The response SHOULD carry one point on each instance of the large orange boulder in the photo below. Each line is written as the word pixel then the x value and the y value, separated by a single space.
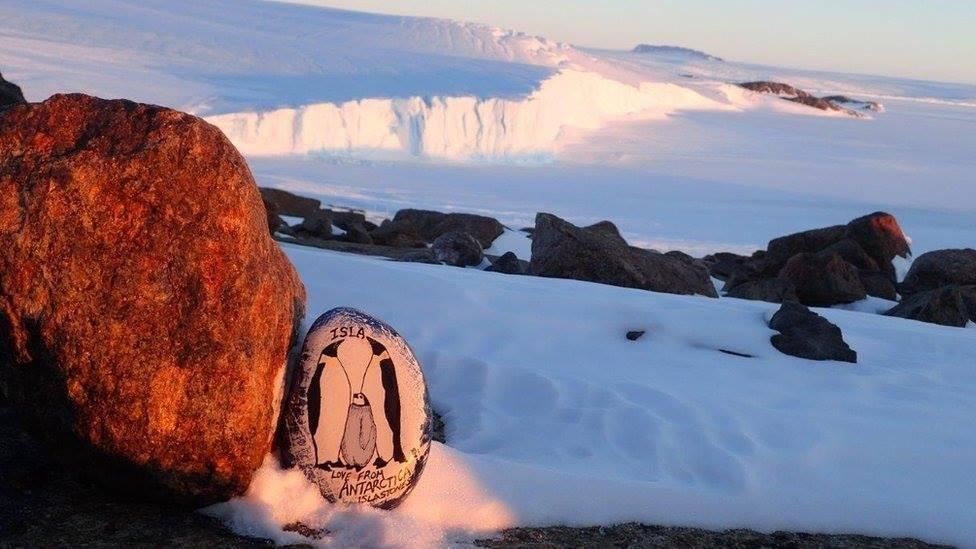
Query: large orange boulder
pixel 146 315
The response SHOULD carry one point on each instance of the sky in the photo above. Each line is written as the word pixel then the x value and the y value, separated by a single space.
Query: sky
pixel 925 39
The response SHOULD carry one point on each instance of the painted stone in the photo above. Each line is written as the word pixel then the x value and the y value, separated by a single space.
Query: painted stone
pixel 358 421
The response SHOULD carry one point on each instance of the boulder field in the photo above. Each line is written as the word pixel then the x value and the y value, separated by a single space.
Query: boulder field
pixel 146 315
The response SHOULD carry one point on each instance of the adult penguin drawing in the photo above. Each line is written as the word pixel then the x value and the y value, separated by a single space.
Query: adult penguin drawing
pixel 354 378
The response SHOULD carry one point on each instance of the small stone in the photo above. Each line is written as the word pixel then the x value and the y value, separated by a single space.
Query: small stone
pixel 458 249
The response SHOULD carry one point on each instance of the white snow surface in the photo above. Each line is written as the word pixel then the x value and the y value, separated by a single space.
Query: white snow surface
pixel 554 417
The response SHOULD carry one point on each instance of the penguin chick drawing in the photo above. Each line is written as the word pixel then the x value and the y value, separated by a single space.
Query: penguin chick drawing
pixel 344 418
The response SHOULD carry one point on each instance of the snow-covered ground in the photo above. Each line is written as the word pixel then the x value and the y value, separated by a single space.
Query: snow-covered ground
pixel 554 417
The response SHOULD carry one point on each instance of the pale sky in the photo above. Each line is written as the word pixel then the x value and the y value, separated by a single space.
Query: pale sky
pixel 926 39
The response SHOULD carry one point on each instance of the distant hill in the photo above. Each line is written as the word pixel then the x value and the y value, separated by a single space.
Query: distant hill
pixel 676 50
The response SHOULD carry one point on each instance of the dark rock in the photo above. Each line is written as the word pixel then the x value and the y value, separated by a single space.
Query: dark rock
pixel 852 252
pixel 948 306
pixel 10 94
pixel 736 353
pixel 291 204
pixel 317 225
pixel 563 250
pixel 933 270
pixel 878 284
pixel 823 279
pixel 274 220
pixel 873 106
pixel 752 271
pixel 783 248
pixel 795 95
pixel 346 218
pixel 151 355
pixel 773 290
pixel 722 264
pixel 429 224
pixel 357 233
pixel 881 237
pixel 605 227
pixel 419 256
pixel 634 335
pixel 508 263
pixel 805 334
pixel 457 248
pixel 681 256
pixel 398 234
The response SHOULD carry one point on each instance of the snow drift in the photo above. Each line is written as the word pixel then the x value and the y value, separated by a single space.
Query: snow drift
pixel 456 127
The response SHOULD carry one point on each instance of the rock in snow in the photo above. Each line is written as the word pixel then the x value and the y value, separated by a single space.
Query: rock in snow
pixel 457 248
pixel 430 225
pixel 146 313
pixel 823 279
pixel 805 334
pixel 507 263
pixel 939 268
pixel 563 250
pixel 948 305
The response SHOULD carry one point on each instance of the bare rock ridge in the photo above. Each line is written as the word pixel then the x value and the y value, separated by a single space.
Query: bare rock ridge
pixel 796 95
pixel 819 267
pixel 146 315
pixel 599 254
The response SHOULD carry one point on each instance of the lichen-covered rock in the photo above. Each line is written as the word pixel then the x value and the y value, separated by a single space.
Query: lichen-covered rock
pixel 935 269
pixel 457 248
pixel 145 313
pixel 563 250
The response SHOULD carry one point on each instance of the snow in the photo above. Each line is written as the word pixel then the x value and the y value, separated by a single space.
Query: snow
pixel 457 127
pixel 554 417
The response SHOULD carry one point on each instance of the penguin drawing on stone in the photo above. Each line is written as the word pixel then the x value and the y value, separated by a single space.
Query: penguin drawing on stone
pixel 354 378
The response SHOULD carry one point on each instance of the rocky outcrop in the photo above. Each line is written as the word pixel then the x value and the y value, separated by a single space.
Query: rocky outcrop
pixel 948 306
pixel 457 248
pixel 773 290
pixel 145 313
pixel 823 279
pixel 805 334
pixel 287 203
pixel 563 250
pixel 429 225
pixel 796 95
pixel 827 266
pixel 10 94
pixel 940 288
pixel 508 263
pixel 933 270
